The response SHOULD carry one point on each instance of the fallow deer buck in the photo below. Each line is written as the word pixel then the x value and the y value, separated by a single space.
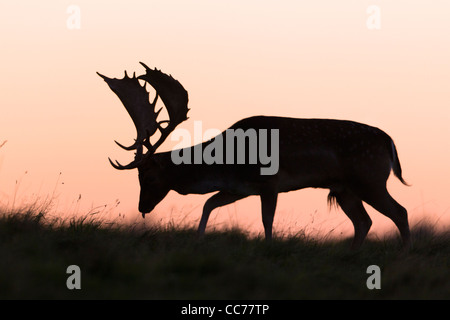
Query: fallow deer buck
pixel 351 159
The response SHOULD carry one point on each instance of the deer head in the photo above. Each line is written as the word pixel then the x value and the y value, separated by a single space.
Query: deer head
pixel 135 98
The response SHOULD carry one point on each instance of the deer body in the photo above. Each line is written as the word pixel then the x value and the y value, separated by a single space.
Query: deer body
pixel 309 157
pixel 351 159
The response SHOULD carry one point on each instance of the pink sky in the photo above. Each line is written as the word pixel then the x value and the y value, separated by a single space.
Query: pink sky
pixel 289 58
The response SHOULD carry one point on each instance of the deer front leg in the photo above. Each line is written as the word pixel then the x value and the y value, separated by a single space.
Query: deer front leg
pixel 268 205
pixel 220 199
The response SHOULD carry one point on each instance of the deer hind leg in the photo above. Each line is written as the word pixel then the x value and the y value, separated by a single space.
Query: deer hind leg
pixel 268 206
pixel 354 209
pixel 381 200
pixel 220 199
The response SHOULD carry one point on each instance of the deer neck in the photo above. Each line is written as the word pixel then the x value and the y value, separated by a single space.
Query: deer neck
pixel 189 178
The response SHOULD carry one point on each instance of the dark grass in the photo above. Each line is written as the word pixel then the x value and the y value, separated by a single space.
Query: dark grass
pixel 127 262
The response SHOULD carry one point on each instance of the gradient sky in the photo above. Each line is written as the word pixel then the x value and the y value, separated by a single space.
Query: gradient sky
pixel 236 59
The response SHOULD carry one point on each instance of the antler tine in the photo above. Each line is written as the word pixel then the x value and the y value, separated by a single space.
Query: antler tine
pixel 133 164
pixel 132 147
pixel 144 65
pixel 118 166
pixel 104 77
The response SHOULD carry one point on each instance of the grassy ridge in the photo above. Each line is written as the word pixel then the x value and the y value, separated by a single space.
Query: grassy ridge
pixel 123 262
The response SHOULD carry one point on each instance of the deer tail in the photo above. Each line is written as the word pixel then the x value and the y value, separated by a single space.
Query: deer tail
pixel 396 167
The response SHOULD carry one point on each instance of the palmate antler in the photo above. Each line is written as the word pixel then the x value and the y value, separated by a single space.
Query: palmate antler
pixel 135 98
